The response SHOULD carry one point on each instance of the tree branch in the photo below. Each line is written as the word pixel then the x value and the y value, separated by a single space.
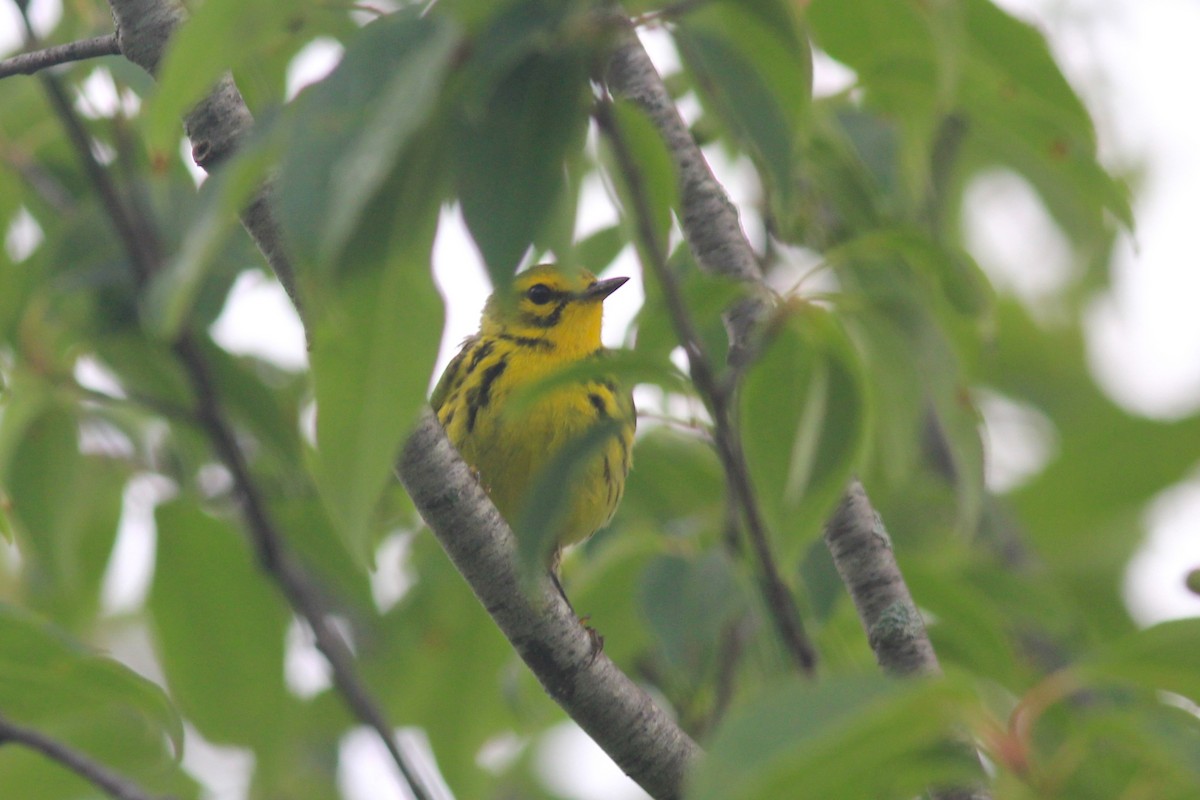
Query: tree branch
pixel 141 244
pixel 863 555
pixel 612 709
pixel 217 126
pixel 894 628
pixel 29 63
pixel 639 736
pixel 778 596
pixel 98 775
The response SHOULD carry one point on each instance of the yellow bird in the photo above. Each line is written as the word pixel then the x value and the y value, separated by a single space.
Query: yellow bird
pixel 547 319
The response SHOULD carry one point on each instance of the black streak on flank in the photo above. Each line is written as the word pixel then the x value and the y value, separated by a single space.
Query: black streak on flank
pixel 481 396
pixel 530 342
pixel 608 482
pixel 480 354
pixel 601 408
pixel 625 460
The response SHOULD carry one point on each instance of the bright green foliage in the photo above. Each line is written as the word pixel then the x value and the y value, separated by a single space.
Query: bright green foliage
pixel 870 365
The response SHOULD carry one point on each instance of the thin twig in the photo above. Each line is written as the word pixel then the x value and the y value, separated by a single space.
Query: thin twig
pixel 275 558
pixel 29 63
pixel 100 776
pixel 778 597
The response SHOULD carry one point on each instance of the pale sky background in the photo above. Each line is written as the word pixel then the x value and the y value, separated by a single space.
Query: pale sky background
pixel 1134 62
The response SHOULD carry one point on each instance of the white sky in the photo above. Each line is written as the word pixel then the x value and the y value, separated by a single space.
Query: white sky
pixel 1135 63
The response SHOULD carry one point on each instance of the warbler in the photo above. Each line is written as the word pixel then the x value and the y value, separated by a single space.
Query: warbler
pixel 546 319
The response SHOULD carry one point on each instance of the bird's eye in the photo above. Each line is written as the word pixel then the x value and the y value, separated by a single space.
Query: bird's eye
pixel 539 294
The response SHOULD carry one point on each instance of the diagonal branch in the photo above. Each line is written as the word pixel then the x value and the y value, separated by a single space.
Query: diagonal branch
pixel 29 63
pixel 854 535
pixel 638 735
pixel 779 599
pixel 100 776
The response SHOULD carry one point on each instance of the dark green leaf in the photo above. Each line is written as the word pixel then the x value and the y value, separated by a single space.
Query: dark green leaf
pixel 689 602
pixel 755 75
pixel 219 625
pixel 372 352
pixel 1160 658
pixel 858 736
pixel 356 126
pixel 804 420
pixel 66 505
pixel 509 154
pixel 56 685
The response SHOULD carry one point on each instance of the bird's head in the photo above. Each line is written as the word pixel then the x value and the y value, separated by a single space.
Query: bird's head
pixel 563 307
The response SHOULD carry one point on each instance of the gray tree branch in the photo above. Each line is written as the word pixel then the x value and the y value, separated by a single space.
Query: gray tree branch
pixel 855 534
pixel 100 776
pixel 612 709
pixel 29 63
pixel 636 733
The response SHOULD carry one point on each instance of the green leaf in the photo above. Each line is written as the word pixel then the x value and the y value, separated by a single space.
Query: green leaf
pixel 174 291
pixel 219 625
pixel 852 736
pixel 706 297
pixel 626 367
pixel 1159 658
pixel 655 180
pixel 689 603
pixel 548 500
pixel 373 349
pixel 523 110
pixel 755 74
pixel 676 486
pixel 66 506
pixel 56 685
pixel 219 35
pixel 804 419
pixel 356 126
pixel 601 248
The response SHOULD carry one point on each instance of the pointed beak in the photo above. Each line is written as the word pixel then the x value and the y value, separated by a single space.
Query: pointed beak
pixel 602 289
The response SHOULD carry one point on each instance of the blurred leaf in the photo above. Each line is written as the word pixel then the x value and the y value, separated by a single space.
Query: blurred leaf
pixel 514 133
pixel 554 488
pixel 601 248
pixel 855 736
pixel 676 486
pixel 219 626
pixel 173 292
pixel 217 36
pixel 438 630
pixel 1159 658
pixel 656 181
pixel 804 418
pixel 356 126
pixel 706 297
pixel 755 74
pixel 689 603
pixel 627 367
pixel 52 683
pixel 67 505
pixel 373 350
